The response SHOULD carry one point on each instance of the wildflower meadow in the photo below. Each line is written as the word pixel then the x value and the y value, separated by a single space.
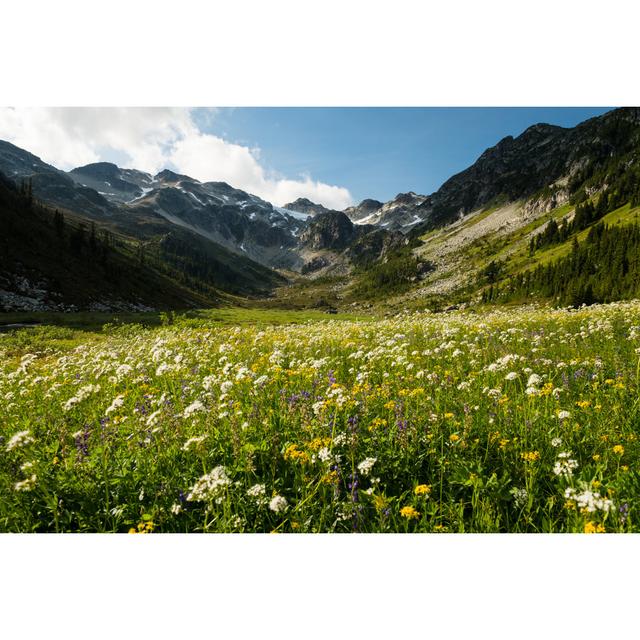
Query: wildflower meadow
pixel 513 420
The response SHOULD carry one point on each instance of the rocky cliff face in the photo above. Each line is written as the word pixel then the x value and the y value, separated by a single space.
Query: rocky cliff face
pixel 364 211
pixel 331 242
pixel 331 230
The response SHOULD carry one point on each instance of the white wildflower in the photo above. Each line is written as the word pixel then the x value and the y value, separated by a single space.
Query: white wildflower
pixel 366 465
pixel 258 492
pixel 278 504
pixel 191 441
pixel 20 439
pixel 588 500
pixel 116 404
pixel 26 485
pixel 162 369
pixel 565 465
pixel 520 496
pixel 194 407
pixel 210 486
pixel 534 380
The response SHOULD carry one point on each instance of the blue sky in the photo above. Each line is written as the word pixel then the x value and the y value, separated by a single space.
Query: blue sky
pixel 334 156
pixel 377 152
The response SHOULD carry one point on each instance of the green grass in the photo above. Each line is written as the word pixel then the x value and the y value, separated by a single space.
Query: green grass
pixel 65 331
pixel 522 420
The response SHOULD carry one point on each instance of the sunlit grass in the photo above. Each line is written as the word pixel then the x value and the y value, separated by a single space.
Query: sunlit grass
pixel 522 420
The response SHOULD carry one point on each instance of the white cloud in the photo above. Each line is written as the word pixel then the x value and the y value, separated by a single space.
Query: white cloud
pixel 152 139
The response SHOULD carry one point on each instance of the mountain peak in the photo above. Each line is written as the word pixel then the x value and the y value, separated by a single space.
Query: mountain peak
pixel 542 128
pixel 304 205
pixel 166 175
pixel 97 169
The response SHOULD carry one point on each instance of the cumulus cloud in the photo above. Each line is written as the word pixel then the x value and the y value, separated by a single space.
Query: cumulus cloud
pixel 152 139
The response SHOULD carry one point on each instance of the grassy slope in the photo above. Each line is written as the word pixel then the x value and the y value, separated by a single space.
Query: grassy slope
pixel 512 248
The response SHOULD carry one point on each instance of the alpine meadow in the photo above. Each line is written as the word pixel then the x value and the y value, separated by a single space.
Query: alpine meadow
pixel 180 354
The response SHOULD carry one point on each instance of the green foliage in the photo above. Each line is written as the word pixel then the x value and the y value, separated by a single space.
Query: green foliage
pixel 491 273
pixel 393 275
pixel 417 423
pixel 603 268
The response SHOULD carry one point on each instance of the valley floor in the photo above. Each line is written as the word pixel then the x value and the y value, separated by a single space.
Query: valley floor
pixel 519 420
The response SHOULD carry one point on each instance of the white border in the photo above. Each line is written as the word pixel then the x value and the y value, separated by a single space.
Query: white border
pixel 330 52
pixel 318 586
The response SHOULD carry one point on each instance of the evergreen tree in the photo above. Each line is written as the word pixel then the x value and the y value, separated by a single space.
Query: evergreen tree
pixel 93 243
pixel 58 223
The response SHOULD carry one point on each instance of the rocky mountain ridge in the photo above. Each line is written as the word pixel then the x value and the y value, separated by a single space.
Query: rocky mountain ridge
pixel 149 206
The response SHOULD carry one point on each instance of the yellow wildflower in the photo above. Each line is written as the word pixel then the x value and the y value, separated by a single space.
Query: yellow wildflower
pixel 409 513
pixel 531 456
pixel 422 489
pixel 294 454
pixel 592 527
pixel 618 449
pixel 380 502
pixel 329 478
pixel 317 443
pixel 376 423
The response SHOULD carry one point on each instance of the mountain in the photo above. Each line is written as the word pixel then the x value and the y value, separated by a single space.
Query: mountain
pixel 363 211
pixel 140 210
pixel 304 205
pixel 53 262
pixel 399 214
pixel 517 208
pixel 544 156
pixel 523 206
pixel 151 207
pixel 115 184
pixel 499 228
pixel 146 206
pixel 331 242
